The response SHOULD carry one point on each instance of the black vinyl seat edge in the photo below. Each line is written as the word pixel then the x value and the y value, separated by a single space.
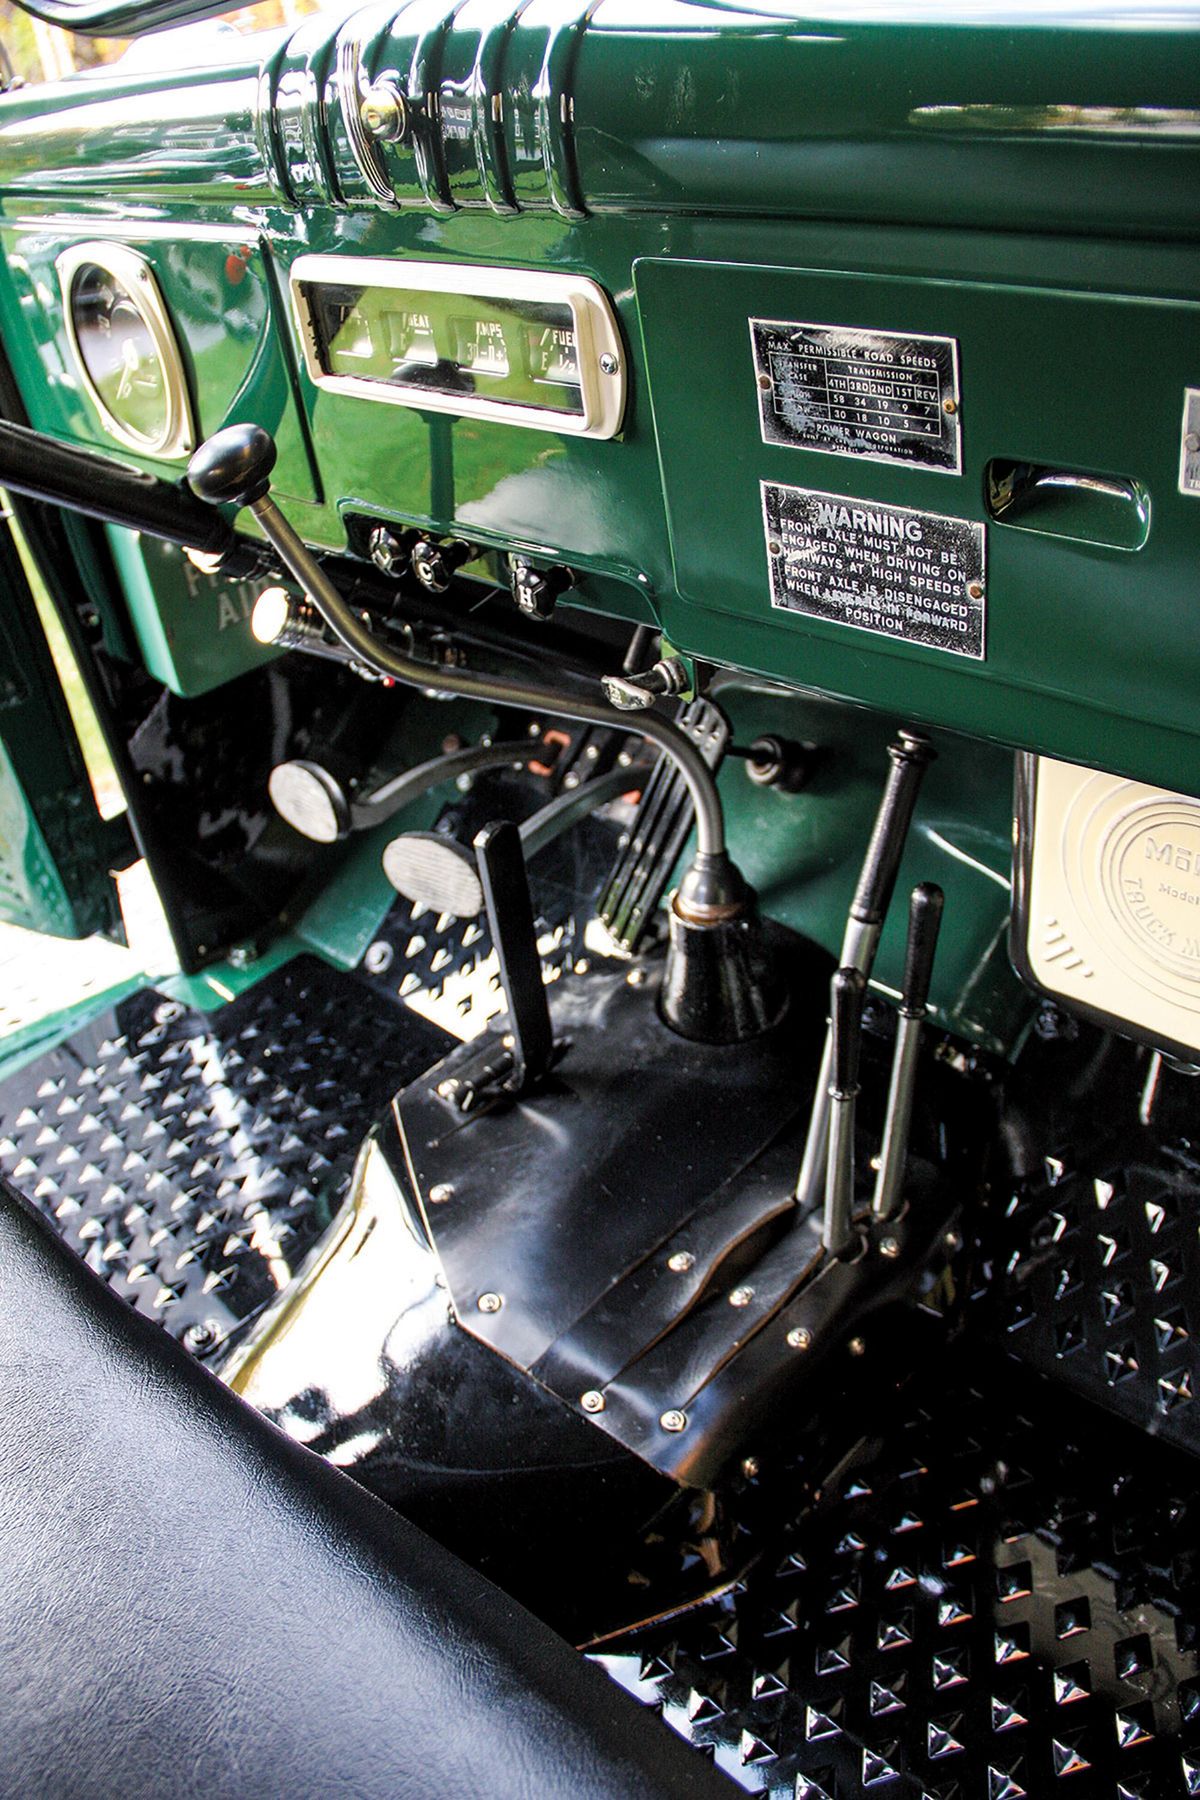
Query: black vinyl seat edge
pixel 191 1604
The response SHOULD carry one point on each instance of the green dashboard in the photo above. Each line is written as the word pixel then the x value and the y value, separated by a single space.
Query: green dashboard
pixel 880 384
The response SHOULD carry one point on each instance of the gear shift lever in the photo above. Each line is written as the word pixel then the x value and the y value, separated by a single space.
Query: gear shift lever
pixel 716 985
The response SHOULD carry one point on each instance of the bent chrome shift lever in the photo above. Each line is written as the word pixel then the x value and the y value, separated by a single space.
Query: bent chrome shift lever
pixel 234 467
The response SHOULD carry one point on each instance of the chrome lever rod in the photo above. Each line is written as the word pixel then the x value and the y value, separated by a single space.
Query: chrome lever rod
pixel 910 755
pixel 235 466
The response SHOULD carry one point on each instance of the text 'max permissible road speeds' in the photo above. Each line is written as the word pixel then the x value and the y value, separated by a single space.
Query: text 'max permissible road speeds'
pixel 884 396
pixel 914 576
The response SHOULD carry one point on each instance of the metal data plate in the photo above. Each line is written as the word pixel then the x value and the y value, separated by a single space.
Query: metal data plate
pixel 880 395
pixel 917 577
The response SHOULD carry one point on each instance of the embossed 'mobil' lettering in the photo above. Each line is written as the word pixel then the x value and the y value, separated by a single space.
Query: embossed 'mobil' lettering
pixel 1173 856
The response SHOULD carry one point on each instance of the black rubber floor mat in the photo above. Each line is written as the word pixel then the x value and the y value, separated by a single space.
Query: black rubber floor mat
pixel 1001 1600
pixel 194 1158
pixel 1097 1283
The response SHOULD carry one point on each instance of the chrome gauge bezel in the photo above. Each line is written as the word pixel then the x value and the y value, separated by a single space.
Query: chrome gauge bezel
pixel 601 354
pixel 177 439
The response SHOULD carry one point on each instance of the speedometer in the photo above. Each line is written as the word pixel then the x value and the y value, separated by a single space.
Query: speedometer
pixel 125 349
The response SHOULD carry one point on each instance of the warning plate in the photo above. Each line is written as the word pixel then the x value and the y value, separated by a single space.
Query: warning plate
pixel 915 576
pixel 878 395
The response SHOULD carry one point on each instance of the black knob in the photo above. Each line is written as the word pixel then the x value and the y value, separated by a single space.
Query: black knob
pixel 435 564
pixel 848 991
pixel 233 465
pixel 924 918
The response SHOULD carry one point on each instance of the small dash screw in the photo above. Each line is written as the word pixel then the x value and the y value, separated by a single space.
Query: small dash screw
pixel 592 1401
pixel 680 1262
pixel 857 1346
pixel 975 589
pixel 439 1193
pixel 889 1247
pixel 750 1467
pixel 950 406
pixel 674 1420
pixel 609 364
pixel 490 1303
pixel 799 1337
pixel 741 1296
pixel 636 978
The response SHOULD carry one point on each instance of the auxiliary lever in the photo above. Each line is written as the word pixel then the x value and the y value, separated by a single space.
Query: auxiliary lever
pixel 514 934
pixel 845 1037
pixel 911 754
pixel 924 922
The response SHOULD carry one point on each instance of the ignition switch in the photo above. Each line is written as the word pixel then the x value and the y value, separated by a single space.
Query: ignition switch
pixel 435 565
pixel 535 592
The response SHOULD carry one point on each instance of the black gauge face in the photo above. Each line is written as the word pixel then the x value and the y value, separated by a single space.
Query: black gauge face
pixel 120 355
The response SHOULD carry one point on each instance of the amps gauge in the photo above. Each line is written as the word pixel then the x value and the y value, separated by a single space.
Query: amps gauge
pixel 1107 914
pixel 125 348
pixel 526 347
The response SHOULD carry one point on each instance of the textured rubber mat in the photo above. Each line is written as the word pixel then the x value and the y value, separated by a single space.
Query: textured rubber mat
pixel 193 1158
pixel 1097 1267
pixel 1001 1600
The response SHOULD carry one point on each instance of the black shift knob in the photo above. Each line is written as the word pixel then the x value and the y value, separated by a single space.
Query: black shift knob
pixel 233 465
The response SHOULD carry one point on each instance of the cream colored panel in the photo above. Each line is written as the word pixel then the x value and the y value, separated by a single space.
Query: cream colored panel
pixel 1114 899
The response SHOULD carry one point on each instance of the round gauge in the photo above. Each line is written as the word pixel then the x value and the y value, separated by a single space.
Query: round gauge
pixel 125 349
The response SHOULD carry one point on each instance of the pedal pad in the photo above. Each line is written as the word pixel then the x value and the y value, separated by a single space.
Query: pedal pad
pixel 659 831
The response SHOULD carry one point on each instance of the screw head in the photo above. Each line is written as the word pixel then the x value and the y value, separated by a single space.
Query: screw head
pixel 200 1336
pixel 750 1467
pixel 799 1337
pixel 439 1193
pixel 975 589
pixel 674 1420
pixel 764 382
pixel 889 1247
pixel 384 113
pixel 856 1346
pixel 609 364
pixel 950 406
pixel 953 1241
pixel 636 978
pixel 379 958
pixel 680 1261
pixel 592 1401
pixel 741 1296
pixel 490 1303
pixel 1192 441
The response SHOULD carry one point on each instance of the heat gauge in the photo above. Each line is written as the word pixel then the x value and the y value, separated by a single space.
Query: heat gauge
pixel 527 347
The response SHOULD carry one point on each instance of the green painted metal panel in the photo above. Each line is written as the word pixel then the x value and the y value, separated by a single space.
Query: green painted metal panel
pixel 218 287
pixel 193 630
pixel 1077 382
pixel 55 851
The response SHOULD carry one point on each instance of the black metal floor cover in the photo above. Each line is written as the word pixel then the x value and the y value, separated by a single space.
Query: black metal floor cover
pixel 191 1158
pixel 1001 1600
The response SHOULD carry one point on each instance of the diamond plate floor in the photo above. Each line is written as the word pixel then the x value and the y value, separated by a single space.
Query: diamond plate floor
pixel 1002 1599
pixel 193 1159
pixel 1098 1284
